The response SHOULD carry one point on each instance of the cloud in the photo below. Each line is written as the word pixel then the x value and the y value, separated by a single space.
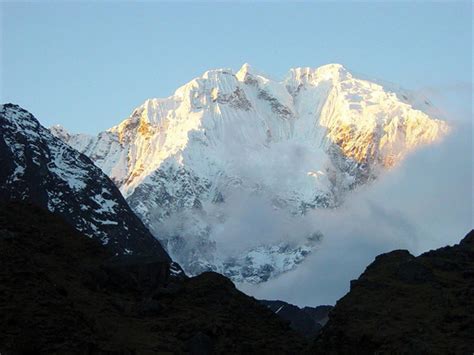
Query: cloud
pixel 423 204
pixel 452 102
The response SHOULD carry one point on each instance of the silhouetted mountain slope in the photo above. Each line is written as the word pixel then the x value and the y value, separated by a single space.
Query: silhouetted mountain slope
pixel 407 305
pixel 61 292
pixel 307 321
pixel 38 167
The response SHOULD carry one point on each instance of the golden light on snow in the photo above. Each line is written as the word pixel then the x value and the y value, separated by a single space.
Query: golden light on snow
pixel 215 118
pixel 303 142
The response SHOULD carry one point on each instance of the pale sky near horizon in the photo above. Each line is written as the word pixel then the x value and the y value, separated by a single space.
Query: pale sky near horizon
pixel 87 65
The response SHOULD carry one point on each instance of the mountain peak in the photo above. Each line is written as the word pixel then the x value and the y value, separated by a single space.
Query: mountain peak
pixel 214 73
pixel 243 71
pixel 248 70
pixel 311 75
pixel 12 111
pixel 334 70
pixel 246 66
pixel 10 106
pixel 323 130
pixel 331 67
pixel 59 131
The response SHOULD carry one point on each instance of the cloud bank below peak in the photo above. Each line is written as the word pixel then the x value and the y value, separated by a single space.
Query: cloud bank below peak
pixel 424 204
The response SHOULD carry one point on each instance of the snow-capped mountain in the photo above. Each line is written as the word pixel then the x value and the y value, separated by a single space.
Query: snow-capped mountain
pixel 229 147
pixel 40 168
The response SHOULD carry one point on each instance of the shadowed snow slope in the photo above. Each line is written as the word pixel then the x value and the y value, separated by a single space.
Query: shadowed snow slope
pixel 204 167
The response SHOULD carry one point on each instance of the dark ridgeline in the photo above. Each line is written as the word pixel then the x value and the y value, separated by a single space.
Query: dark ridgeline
pixel 58 294
pixel 307 320
pixel 407 305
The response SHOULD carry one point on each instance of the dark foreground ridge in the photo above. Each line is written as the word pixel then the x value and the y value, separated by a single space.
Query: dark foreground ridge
pixel 307 320
pixel 407 305
pixel 61 292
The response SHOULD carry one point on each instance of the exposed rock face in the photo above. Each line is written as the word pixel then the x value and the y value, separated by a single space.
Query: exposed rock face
pixel 406 304
pixel 64 293
pixel 297 144
pixel 40 168
pixel 307 321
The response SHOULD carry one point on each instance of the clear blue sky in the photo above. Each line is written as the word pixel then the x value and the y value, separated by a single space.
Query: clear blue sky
pixel 87 65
